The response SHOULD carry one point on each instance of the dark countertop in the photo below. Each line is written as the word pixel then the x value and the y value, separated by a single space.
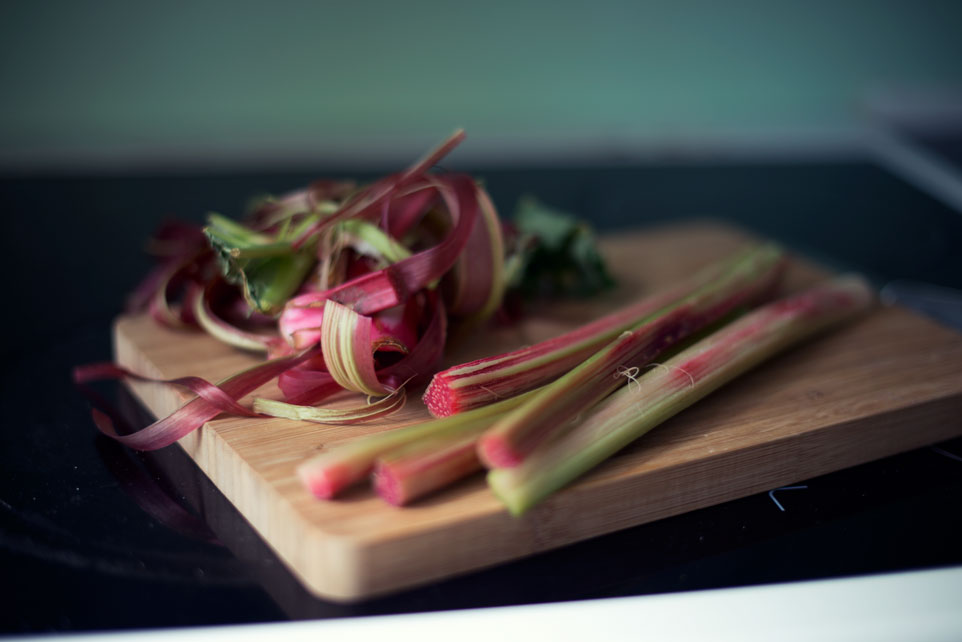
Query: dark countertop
pixel 93 536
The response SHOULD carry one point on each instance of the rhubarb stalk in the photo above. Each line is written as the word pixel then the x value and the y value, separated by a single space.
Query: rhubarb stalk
pixel 447 454
pixel 751 275
pixel 328 473
pixel 405 474
pixel 665 389
pixel 476 383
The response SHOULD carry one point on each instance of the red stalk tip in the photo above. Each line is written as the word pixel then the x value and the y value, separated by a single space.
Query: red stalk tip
pixel 495 451
pixel 326 482
pixel 387 485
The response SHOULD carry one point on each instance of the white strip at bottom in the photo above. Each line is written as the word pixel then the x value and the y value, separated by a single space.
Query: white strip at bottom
pixel 922 606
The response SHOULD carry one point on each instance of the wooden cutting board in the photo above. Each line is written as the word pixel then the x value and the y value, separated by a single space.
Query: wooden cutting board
pixel 888 383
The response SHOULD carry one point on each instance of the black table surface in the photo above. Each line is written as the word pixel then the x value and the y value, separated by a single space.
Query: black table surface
pixel 97 537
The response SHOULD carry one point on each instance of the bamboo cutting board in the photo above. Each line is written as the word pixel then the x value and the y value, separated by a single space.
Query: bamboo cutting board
pixel 888 383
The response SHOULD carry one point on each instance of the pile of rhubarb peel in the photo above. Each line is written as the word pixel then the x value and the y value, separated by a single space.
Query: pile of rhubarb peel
pixel 342 287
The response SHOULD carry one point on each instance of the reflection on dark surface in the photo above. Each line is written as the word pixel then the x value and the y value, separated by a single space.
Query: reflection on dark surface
pixel 145 484
pixel 842 524
pixel 93 536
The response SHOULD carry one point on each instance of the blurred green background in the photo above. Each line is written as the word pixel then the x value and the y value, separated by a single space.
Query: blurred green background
pixel 121 83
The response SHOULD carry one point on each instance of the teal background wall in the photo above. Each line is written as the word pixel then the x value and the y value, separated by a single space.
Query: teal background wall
pixel 88 83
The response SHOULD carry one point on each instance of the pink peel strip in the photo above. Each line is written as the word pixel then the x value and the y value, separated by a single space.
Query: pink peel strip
pixel 308 385
pixel 371 198
pixel 199 386
pixel 198 411
pixel 206 302
pixel 390 286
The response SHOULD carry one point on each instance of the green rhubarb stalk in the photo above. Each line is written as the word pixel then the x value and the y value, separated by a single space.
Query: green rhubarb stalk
pixel 330 472
pixel 754 274
pixel 648 399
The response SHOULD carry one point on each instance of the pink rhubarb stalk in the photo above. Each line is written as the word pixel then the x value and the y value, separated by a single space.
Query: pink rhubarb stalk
pixel 751 275
pixel 647 400
pixel 446 455
pixel 477 383
pixel 409 473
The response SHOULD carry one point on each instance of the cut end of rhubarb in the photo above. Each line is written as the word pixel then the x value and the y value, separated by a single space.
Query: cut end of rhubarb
pixel 388 486
pixel 438 398
pixel 324 482
pixel 500 485
pixel 495 452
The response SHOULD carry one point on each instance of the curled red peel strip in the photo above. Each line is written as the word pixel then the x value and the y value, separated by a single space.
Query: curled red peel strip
pixel 177 243
pixel 205 308
pixel 169 278
pixel 392 285
pixel 199 410
pixel 372 198
pixel 310 383
pixel 204 389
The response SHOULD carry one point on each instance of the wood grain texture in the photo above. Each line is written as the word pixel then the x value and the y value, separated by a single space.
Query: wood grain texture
pixel 888 383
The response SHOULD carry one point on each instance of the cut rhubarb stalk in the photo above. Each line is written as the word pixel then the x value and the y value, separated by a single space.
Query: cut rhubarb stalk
pixel 752 275
pixel 448 454
pixel 327 474
pixel 666 389
pixel 478 383
pixel 427 465
pixel 474 384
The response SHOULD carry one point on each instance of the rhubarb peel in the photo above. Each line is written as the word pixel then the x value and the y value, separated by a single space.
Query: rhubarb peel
pixel 386 405
pixel 213 400
pixel 364 273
